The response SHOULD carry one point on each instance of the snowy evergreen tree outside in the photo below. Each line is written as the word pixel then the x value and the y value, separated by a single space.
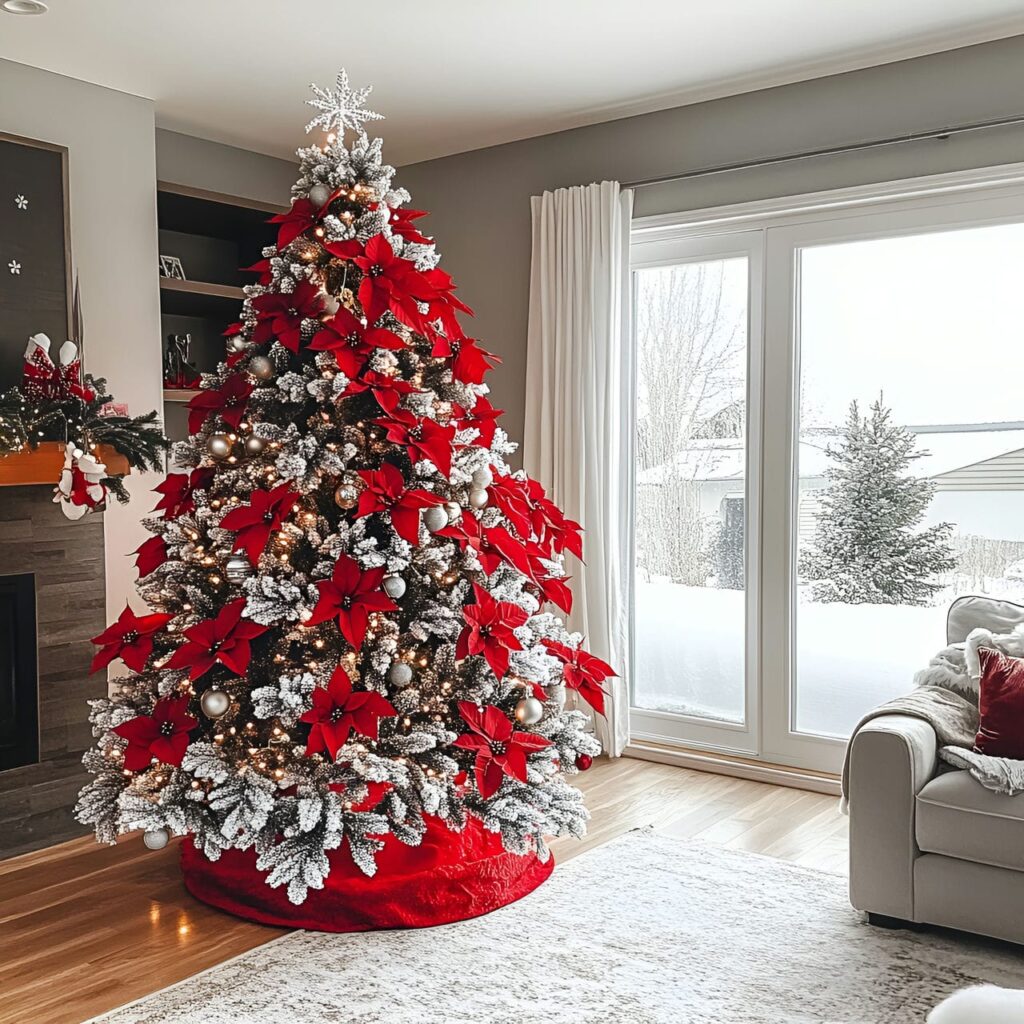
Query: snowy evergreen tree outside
pixel 350 590
pixel 869 546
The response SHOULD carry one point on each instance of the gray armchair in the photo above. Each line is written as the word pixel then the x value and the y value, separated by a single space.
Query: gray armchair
pixel 928 847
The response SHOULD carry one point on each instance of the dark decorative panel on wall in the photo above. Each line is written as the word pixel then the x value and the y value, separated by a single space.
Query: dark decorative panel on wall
pixel 34 249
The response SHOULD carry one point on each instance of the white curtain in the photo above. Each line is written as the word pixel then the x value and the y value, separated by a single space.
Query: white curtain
pixel 578 434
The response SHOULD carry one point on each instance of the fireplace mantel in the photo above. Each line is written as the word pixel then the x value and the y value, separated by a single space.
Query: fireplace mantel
pixel 43 464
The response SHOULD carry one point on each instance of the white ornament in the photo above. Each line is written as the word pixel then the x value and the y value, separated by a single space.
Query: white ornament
pixel 394 587
pixel 14 267
pixel 330 303
pixel 400 674
pixel 341 107
pixel 238 343
pixel 21 202
pixel 454 511
pixel 155 838
pixel 319 194
pixel 435 518
pixel 261 367
pixel 529 711
pixel 478 497
pixel 214 703
pixel 237 568
pixel 483 477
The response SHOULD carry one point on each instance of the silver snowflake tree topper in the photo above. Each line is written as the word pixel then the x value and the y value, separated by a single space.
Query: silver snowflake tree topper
pixel 342 107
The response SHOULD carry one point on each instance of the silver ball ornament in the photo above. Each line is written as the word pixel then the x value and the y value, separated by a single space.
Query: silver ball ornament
pixel 261 367
pixel 478 497
pixel 318 195
pixel 394 587
pixel 400 674
pixel 237 343
pixel 346 495
pixel 254 445
pixel 214 703
pixel 483 477
pixel 529 711
pixel 453 510
pixel 435 518
pixel 156 838
pixel 219 445
pixel 237 568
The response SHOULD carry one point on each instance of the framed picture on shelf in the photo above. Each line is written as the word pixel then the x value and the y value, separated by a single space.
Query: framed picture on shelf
pixel 170 266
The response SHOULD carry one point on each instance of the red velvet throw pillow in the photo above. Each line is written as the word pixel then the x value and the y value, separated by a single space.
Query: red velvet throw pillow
pixel 1001 705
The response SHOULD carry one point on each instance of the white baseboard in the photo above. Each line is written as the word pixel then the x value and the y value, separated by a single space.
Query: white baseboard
pixel 777 775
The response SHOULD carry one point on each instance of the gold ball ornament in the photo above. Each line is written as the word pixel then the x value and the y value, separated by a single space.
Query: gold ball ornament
pixel 346 495
pixel 529 711
pixel 254 445
pixel 261 367
pixel 219 445
pixel 214 703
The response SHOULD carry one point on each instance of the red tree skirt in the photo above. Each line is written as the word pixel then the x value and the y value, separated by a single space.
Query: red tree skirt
pixel 450 876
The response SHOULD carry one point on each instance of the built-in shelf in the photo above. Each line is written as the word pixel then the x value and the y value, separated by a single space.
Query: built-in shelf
pixel 180 394
pixel 215 236
pixel 200 298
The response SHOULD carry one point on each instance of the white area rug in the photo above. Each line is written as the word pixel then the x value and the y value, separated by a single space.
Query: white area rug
pixel 643 930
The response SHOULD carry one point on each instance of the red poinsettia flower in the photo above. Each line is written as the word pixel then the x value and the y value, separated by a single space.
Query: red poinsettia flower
pixel 224 639
pixel 254 523
pixel 390 282
pixel 385 492
pixel 178 490
pixel 401 222
pixel 351 341
pixel 228 401
pixel 489 630
pixel 483 416
pixel 301 217
pixel 350 595
pixel 151 554
pixel 443 306
pixel 162 735
pixel 582 672
pixel 500 749
pixel 266 275
pixel 130 639
pixel 552 528
pixel 280 314
pixel 338 709
pixel 552 588
pixel 470 362
pixel 423 438
pixel 509 494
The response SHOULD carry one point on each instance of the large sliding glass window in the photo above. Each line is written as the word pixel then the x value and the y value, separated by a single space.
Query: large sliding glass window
pixel 829 450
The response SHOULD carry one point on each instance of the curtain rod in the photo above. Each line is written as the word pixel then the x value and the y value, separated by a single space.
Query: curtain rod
pixel 808 154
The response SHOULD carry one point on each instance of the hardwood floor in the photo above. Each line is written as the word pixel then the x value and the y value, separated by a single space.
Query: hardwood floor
pixel 85 928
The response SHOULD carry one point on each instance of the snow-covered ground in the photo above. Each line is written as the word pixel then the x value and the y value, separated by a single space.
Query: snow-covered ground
pixel 689 654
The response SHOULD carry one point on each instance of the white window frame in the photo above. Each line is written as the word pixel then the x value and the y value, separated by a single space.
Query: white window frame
pixel 786 226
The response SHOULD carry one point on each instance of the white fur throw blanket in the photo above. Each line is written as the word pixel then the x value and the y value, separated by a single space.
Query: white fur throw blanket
pixel 946 696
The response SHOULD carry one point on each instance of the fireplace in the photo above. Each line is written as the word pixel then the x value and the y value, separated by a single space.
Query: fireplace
pixel 52 600
pixel 19 687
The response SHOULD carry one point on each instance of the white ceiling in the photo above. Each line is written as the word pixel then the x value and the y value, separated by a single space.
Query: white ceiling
pixel 453 75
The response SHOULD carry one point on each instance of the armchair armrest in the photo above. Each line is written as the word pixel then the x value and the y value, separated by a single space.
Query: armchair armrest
pixel 892 757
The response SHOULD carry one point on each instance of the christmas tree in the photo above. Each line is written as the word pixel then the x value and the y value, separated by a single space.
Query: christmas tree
pixel 351 628
pixel 869 547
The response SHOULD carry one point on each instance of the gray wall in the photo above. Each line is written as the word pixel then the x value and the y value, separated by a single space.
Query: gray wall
pixel 185 160
pixel 480 207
